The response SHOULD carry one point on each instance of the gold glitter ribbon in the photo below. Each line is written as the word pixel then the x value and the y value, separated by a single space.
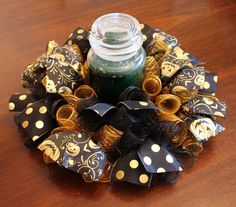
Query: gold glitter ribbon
pixel 152 67
pixel 66 117
pixel 178 138
pixel 168 103
pixel 84 96
pixel 158 49
pixel 192 144
pixel 152 86
pixel 85 72
pixel 108 136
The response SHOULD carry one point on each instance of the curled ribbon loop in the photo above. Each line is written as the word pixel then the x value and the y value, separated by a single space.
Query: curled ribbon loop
pixel 108 136
pixel 192 144
pixel 152 67
pixel 83 97
pixel 152 86
pixel 181 134
pixel 67 117
pixel 158 49
pixel 168 103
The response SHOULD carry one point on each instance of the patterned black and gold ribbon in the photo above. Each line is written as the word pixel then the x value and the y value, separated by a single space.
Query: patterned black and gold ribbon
pixel 77 152
pixel 58 70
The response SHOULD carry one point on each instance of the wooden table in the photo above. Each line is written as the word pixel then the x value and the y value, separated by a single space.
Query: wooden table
pixel 207 28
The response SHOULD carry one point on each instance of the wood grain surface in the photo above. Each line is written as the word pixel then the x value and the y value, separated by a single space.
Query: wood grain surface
pixel 207 28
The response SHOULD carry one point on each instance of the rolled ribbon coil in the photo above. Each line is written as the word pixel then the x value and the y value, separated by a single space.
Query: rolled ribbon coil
pixel 158 49
pixel 152 67
pixel 106 173
pixel 108 136
pixel 192 144
pixel 84 96
pixel 152 86
pixel 66 117
pixel 85 72
pixel 168 103
pixel 178 138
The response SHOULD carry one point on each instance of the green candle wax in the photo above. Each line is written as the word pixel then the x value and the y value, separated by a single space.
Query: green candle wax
pixel 110 78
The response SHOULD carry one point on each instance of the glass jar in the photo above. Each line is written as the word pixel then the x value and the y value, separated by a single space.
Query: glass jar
pixel 116 59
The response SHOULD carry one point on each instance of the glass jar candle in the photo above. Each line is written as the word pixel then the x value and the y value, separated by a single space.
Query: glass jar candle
pixel 116 59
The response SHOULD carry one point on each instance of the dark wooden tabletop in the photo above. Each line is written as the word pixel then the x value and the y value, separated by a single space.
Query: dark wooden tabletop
pixel 207 28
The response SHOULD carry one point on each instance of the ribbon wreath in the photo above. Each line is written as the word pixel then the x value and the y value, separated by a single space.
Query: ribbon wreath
pixel 141 137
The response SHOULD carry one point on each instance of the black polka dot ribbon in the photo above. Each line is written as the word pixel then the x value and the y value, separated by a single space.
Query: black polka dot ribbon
pixel 138 105
pixel 79 37
pixel 37 119
pixel 129 168
pixel 18 102
pixel 77 152
pixel 157 159
pixel 133 93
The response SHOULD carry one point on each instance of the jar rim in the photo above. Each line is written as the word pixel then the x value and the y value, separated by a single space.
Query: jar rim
pixel 116 34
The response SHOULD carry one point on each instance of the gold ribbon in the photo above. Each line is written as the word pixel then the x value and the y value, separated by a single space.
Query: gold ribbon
pixel 178 138
pixel 158 49
pixel 66 117
pixel 192 144
pixel 152 86
pixel 152 67
pixel 108 136
pixel 59 129
pixel 84 96
pixel 85 72
pixel 168 103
